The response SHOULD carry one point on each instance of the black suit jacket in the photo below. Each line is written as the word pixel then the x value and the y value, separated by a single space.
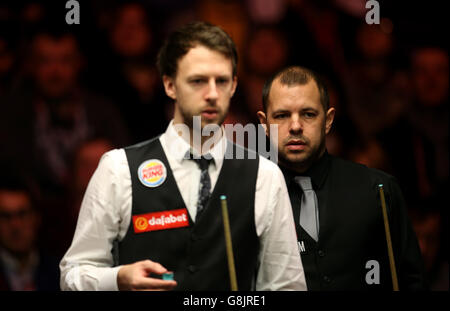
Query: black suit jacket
pixel 46 276
pixel 352 242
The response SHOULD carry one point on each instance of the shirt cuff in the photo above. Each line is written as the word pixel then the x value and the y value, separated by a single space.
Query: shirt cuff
pixel 108 279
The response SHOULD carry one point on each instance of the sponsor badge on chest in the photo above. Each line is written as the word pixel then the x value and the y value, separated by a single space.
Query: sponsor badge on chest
pixel 152 173
pixel 160 220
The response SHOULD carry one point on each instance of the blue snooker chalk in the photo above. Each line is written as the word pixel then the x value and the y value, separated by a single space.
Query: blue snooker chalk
pixel 168 276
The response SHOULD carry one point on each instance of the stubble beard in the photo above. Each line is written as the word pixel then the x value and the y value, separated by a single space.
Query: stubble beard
pixel 188 118
pixel 300 163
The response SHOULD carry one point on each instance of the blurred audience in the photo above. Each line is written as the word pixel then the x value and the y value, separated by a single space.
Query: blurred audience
pixel 85 162
pixel 231 15
pixel 371 154
pixel 376 86
pixel 266 52
pixel 128 72
pixel 52 114
pixel 428 226
pixel 70 94
pixel 22 264
pixel 61 212
pixel 418 142
pixel 266 11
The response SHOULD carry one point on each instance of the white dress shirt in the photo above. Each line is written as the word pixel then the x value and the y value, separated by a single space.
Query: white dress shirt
pixel 105 215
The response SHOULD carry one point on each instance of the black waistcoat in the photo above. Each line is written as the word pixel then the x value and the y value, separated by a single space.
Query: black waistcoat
pixel 196 253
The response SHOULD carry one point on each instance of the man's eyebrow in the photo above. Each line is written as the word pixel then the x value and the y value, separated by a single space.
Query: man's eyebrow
pixel 288 111
pixel 199 75
pixel 196 76
pixel 310 109
pixel 280 111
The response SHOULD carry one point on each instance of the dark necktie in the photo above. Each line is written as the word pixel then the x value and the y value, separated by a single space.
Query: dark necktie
pixel 309 213
pixel 204 191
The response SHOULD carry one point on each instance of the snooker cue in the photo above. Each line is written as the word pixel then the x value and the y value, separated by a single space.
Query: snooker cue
pixel 228 244
pixel 388 240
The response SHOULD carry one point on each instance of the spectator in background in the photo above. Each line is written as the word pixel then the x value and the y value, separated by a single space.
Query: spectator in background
pixel 418 143
pixel 369 153
pixel 418 147
pixel 231 15
pixel 85 162
pixel 266 51
pixel 316 32
pixel 61 213
pixel 22 265
pixel 49 118
pixel 428 227
pixel 429 114
pixel 376 87
pixel 129 73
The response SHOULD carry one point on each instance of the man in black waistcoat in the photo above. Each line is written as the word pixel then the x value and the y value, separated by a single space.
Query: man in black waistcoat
pixel 155 207
pixel 336 203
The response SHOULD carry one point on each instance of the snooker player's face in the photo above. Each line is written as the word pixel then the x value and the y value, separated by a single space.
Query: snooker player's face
pixel 302 123
pixel 203 86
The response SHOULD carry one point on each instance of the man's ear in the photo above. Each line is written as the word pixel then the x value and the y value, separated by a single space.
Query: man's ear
pixel 329 119
pixel 169 87
pixel 263 120
pixel 233 85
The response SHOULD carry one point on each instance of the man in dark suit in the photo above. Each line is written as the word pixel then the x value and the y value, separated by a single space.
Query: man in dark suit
pixel 336 203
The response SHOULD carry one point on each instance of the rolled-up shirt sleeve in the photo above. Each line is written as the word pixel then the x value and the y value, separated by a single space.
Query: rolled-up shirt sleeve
pixel 88 263
pixel 280 263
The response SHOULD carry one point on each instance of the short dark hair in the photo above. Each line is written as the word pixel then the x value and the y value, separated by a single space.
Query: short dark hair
pixel 19 183
pixel 195 33
pixel 296 75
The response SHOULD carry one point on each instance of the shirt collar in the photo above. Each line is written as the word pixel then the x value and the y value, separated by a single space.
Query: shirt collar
pixel 13 264
pixel 179 146
pixel 318 171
